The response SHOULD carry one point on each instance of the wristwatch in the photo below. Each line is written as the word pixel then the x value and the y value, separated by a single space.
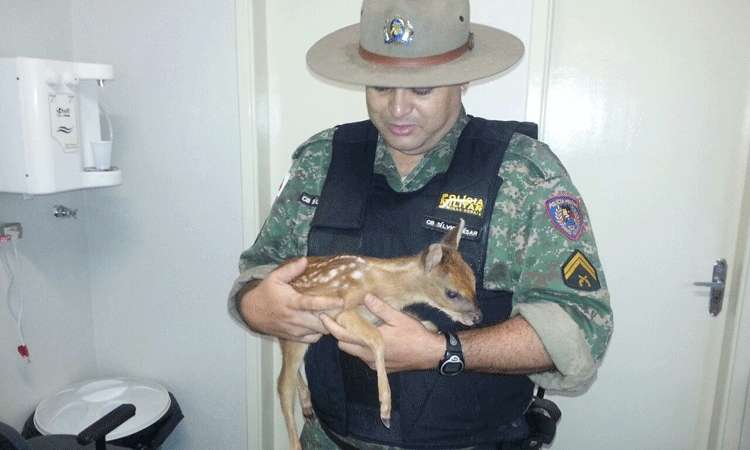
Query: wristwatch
pixel 453 360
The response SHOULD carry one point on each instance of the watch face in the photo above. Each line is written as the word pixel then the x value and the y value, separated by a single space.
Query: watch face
pixel 452 366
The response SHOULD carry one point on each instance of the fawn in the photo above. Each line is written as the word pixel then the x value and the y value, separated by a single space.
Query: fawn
pixel 437 276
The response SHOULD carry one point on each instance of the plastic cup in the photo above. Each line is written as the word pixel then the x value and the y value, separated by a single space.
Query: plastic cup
pixel 102 151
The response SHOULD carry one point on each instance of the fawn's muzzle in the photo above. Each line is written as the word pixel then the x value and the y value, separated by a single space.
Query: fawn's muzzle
pixel 471 318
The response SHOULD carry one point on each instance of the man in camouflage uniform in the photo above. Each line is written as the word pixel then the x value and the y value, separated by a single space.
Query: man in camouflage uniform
pixel 540 246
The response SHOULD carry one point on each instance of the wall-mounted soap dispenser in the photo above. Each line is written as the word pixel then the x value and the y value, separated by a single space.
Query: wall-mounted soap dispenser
pixel 49 118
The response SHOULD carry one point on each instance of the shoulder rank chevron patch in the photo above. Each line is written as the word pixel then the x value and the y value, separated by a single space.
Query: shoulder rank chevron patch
pixel 578 273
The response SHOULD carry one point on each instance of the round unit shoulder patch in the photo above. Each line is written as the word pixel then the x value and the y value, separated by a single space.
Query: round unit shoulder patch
pixel 565 213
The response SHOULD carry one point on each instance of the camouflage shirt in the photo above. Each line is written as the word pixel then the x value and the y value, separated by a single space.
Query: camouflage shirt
pixel 541 246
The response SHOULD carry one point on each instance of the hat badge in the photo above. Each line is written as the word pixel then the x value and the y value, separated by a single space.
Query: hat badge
pixel 398 31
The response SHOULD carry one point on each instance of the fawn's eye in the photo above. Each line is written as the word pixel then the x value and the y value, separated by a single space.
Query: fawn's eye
pixel 451 294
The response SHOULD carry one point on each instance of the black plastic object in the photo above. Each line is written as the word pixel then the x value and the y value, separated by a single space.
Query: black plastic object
pixel 92 438
pixel 542 417
pixel 149 438
pixel 97 431
pixel 10 439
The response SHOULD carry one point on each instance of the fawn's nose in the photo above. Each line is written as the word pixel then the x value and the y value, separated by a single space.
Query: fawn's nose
pixel 475 317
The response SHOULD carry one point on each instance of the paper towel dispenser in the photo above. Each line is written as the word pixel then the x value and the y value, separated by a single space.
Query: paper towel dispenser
pixel 49 118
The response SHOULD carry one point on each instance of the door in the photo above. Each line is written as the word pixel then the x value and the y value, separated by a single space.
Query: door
pixel 647 106
pixel 290 105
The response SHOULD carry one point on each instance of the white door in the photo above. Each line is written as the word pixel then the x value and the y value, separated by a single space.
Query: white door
pixel 290 105
pixel 645 103
pixel 647 106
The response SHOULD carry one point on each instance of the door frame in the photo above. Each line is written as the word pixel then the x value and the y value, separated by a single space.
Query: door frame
pixel 539 52
pixel 733 386
pixel 252 88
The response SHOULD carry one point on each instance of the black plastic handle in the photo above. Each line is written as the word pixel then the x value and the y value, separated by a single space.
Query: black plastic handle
pixel 100 428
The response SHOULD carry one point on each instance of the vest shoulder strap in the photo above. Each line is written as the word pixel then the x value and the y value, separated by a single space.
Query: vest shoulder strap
pixel 495 129
pixel 348 178
pixel 356 132
pixel 529 129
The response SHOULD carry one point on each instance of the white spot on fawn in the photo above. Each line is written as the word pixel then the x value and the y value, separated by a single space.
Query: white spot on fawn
pixel 327 277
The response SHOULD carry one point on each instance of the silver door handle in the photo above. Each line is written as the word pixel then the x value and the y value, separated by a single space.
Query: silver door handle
pixel 717 285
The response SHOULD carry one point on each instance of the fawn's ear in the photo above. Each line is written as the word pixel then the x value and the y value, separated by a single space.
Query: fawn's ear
pixel 432 256
pixel 453 238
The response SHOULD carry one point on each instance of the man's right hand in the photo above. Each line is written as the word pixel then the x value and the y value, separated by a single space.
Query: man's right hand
pixel 274 307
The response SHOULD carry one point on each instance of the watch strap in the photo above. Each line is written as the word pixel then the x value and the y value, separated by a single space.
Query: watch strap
pixel 453 360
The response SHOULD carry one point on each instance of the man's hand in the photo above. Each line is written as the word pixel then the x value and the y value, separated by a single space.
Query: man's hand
pixel 274 307
pixel 408 344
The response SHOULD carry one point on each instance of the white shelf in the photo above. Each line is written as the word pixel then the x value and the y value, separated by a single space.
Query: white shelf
pixel 101 178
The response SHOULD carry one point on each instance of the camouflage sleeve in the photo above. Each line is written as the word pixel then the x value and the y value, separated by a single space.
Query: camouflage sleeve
pixel 554 272
pixel 284 233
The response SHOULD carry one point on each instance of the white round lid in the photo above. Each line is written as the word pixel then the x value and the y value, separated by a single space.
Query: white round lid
pixel 76 407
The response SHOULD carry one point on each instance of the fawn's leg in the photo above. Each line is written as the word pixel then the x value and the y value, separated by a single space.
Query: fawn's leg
pixel 292 354
pixel 304 397
pixel 355 324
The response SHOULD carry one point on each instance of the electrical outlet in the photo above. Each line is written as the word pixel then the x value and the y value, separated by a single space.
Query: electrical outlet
pixel 12 230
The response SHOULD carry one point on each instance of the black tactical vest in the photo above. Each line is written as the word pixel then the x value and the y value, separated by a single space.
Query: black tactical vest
pixel 360 214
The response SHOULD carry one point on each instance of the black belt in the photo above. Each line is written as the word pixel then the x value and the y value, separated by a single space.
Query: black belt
pixel 342 445
pixel 541 416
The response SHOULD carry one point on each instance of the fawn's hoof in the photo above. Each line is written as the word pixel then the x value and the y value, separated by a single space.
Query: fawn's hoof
pixel 308 413
pixel 386 421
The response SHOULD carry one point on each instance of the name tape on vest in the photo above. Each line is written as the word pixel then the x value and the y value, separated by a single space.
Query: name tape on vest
pixel 309 200
pixel 433 223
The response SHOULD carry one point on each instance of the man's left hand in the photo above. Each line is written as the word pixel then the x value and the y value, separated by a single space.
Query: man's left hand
pixel 408 344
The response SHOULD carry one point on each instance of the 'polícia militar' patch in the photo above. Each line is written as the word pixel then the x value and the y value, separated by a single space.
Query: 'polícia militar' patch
pixel 462 203
pixel 578 273
pixel 309 200
pixel 566 215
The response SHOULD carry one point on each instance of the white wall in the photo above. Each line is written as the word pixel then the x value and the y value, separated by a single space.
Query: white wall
pixel 164 245
pixel 53 277
pixel 300 104
pixel 137 285
pixel 35 28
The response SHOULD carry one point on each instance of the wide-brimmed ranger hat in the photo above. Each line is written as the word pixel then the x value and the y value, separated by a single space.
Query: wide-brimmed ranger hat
pixel 414 43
